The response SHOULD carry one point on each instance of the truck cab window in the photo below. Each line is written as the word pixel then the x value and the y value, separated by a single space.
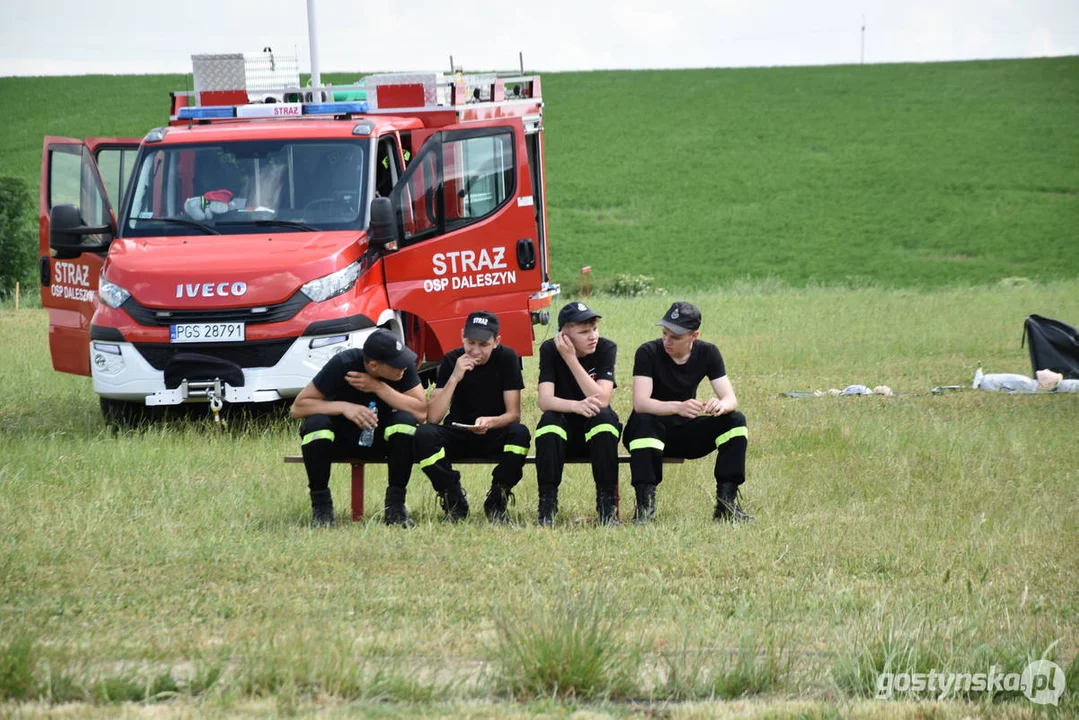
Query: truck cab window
pixel 239 187
pixel 455 183
pixel 481 175
pixel 387 169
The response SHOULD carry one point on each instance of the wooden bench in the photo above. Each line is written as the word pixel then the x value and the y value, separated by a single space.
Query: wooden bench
pixel 358 473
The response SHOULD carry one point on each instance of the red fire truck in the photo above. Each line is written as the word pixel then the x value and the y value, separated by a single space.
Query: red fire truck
pixel 227 256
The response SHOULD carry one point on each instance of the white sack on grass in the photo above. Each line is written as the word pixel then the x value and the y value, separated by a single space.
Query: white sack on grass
pixel 1047 381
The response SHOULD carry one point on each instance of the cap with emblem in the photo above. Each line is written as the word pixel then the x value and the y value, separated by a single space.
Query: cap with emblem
pixel 384 346
pixel 481 325
pixel 682 318
pixel 576 312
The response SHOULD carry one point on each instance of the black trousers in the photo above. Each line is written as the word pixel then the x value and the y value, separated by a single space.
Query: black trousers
pixel 326 438
pixel 650 438
pixel 562 435
pixel 438 445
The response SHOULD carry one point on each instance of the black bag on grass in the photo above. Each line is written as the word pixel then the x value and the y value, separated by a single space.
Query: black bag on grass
pixel 1053 346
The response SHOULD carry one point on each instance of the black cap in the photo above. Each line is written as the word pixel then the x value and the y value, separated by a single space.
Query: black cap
pixel 481 325
pixel 576 312
pixel 682 318
pixel 384 346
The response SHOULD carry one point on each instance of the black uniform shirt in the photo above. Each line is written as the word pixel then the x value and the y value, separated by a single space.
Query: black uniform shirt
pixel 553 369
pixel 479 394
pixel 671 381
pixel 331 382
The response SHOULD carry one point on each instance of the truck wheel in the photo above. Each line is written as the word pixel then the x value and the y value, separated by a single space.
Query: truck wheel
pixel 121 415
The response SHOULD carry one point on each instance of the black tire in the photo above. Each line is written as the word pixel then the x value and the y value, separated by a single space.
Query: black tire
pixel 121 415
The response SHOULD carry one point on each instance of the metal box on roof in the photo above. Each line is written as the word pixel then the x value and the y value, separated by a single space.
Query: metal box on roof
pixel 218 77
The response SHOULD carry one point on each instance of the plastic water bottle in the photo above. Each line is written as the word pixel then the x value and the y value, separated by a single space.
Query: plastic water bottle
pixel 367 437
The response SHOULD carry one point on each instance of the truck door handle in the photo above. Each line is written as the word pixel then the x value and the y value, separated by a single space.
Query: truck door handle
pixel 526 253
pixel 46 276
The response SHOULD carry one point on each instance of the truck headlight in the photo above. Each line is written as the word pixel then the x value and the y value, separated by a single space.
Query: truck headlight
pixel 333 284
pixel 110 293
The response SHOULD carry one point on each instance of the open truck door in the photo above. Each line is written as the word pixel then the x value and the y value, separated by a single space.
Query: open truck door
pixel 467 233
pixel 81 184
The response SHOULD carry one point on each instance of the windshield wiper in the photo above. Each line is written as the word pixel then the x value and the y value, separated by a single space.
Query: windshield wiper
pixel 184 221
pixel 272 223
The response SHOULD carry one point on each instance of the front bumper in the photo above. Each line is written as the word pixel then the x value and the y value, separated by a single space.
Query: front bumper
pixel 120 371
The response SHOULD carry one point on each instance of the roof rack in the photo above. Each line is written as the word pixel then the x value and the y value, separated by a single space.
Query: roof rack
pixel 230 86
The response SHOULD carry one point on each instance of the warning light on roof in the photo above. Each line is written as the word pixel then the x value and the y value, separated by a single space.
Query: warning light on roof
pixel 209 112
pixel 335 108
pixel 258 110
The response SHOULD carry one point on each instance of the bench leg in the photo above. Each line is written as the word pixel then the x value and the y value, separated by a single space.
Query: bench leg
pixel 617 500
pixel 357 491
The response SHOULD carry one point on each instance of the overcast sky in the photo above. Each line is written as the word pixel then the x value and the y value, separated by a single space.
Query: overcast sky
pixel 70 37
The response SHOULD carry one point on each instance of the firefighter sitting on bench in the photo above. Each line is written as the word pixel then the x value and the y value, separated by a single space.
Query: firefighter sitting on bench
pixel 576 379
pixel 479 385
pixel 335 406
pixel 668 420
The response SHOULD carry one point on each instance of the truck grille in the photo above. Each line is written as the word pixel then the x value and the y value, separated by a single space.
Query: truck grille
pixel 265 353
pixel 250 315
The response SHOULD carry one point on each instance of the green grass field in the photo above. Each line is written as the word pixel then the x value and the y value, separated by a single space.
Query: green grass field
pixel 174 566
pixel 838 225
pixel 893 175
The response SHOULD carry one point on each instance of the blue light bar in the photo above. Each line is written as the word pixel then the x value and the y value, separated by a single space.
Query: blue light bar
pixel 335 108
pixel 208 112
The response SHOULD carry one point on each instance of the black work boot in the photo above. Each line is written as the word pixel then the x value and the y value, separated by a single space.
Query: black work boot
pixel 548 506
pixel 454 502
pixel 321 508
pixel 728 508
pixel 396 513
pixel 606 508
pixel 646 504
pixel 494 507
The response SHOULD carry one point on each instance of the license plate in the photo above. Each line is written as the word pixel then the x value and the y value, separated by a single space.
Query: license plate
pixel 206 332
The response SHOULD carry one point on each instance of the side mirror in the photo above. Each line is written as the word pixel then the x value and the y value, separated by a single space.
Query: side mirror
pixel 382 230
pixel 66 232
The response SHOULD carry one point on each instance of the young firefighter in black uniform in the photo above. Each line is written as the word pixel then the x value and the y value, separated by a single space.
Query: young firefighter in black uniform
pixel 576 379
pixel 335 405
pixel 667 418
pixel 480 385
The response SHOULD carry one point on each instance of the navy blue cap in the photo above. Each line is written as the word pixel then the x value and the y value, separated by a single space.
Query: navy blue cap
pixel 576 312
pixel 682 318
pixel 481 325
pixel 384 346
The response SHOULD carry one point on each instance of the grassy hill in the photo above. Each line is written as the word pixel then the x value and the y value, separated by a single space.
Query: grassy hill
pixel 888 175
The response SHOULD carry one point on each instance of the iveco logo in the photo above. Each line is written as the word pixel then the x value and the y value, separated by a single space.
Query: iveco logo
pixel 207 290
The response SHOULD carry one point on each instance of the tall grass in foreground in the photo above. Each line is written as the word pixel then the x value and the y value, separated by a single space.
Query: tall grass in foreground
pixel 931 645
pixel 574 649
pixel 304 665
pixel 758 665
pixel 25 675
pixel 18 669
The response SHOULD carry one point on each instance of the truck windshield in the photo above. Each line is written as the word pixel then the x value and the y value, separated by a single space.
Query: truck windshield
pixel 248 187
